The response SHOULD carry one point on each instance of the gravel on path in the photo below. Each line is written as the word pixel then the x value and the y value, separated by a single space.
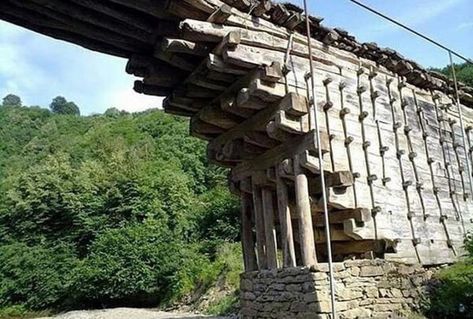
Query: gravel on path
pixel 128 313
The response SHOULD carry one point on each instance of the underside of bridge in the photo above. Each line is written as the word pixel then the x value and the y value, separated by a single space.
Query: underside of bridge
pixel 395 163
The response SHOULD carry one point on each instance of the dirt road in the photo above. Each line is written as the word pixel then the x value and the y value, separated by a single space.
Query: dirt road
pixel 128 313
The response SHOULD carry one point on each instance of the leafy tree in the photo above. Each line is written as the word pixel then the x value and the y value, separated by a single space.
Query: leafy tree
pixel 12 100
pixel 113 112
pixel 60 105
pixel 121 209
pixel 464 72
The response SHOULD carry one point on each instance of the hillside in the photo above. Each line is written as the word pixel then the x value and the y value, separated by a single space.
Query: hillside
pixel 113 209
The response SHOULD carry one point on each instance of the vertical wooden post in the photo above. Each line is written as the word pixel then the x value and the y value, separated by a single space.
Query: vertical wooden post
pixel 248 244
pixel 259 224
pixel 270 231
pixel 306 229
pixel 287 237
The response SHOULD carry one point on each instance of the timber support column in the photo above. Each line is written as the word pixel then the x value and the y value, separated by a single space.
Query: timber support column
pixel 306 229
pixel 247 241
pixel 287 237
pixel 270 230
pixel 260 229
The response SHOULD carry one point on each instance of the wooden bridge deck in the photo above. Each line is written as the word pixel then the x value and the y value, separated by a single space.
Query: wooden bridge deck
pixel 392 145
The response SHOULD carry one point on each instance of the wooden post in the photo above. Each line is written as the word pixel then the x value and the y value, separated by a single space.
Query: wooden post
pixel 287 237
pixel 259 223
pixel 270 230
pixel 306 230
pixel 248 244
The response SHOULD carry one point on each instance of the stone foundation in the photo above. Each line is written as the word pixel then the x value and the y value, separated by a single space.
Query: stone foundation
pixel 364 289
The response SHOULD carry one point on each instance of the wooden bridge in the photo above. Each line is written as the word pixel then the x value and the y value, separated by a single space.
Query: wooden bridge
pixel 397 181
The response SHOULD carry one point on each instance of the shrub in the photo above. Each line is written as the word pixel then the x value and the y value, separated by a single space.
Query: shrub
pixel 132 265
pixel 36 277
pixel 453 297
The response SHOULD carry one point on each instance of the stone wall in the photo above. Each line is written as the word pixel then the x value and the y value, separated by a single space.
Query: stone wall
pixel 364 289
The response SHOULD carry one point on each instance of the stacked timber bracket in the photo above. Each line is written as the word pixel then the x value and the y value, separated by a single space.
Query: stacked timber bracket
pixel 397 179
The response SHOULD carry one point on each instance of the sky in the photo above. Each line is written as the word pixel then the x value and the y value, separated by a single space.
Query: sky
pixel 38 68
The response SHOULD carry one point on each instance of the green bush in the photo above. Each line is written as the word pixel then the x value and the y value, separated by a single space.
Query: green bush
pixel 120 209
pixel 453 295
pixel 132 265
pixel 34 276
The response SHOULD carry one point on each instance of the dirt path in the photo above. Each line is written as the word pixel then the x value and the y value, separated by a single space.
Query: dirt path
pixel 128 313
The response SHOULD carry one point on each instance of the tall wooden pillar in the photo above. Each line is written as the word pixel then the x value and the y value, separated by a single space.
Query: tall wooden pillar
pixel 259 224
pixel 270 230
pixel 306 229
pixel 287 237
pixel 248 244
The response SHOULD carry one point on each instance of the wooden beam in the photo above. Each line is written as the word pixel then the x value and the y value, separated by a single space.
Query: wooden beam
pixel 257 121
pixel 285 221
pixel 76 13
pixel 221 15
pixel 360 215
pixel 157 9
pixel 306 230
pixel 260 230
pixel 270 230
pixel 248 244
pixel 140 87
pixel 171 45
pixel 278 154
pixel 83 41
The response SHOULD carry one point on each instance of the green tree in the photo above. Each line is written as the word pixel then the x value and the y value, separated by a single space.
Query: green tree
pixel 464 72
pixel 121 209
pixel 60 105
pixel 12 100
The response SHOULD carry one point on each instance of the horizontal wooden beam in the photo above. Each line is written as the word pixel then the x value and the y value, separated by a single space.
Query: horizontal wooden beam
pixel 276 155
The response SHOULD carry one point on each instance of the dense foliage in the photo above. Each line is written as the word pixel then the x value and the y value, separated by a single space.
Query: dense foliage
pixel 60 105
pixel 464 72
pixel 108 209
pixel 452 297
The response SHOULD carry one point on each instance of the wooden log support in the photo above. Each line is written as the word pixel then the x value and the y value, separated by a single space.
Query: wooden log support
pixel 307 241
pixel 360 215
pixel 276 155
pixel 269 226
pixel 259 226
pixel 285 221
pixel 171 45
pixel 247 241
pixel 221 15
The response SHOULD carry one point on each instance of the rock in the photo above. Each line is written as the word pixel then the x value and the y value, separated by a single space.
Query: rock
pixel 371 271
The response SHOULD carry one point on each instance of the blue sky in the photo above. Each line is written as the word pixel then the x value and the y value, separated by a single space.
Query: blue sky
pixel 39 68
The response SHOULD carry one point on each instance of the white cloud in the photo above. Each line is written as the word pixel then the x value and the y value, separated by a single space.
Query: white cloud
pixel 128 100
pixel 465 26
pixel 38 68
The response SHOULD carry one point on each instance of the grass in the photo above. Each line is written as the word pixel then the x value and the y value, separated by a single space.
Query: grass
pixel 20 312
pixel 224 306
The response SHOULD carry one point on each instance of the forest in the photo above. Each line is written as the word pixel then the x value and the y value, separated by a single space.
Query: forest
pixel 104 210
pixel 121 209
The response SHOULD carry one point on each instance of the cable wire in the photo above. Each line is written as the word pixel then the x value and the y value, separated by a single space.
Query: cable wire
pixel 321 162
pixel 411 30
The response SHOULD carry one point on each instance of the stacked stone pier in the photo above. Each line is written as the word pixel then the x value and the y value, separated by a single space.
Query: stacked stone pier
pixel 394 156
